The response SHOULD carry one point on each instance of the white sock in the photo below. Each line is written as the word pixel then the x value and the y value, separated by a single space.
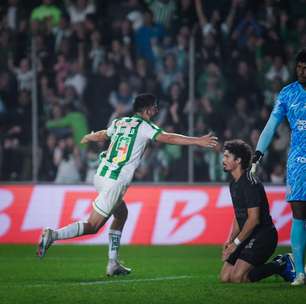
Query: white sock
pixel 114 244
pixel 71 231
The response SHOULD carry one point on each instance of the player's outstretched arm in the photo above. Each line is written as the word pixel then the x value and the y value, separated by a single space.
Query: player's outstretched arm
pixel 207 141
pixel 94 136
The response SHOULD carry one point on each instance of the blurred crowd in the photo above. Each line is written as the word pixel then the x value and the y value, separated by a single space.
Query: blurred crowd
pixel 93 57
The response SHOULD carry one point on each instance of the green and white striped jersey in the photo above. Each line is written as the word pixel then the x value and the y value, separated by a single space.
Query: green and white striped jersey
pixel 129 137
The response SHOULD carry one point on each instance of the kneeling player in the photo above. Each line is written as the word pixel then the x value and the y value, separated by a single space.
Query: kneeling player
pixel 253 238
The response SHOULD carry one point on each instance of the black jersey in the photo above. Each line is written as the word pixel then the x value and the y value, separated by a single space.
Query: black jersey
pixel 246 193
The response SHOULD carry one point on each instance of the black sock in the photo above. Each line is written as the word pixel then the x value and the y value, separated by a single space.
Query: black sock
pixel 264 271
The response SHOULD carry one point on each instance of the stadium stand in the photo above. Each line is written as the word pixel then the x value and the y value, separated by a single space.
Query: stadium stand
pixel 95 56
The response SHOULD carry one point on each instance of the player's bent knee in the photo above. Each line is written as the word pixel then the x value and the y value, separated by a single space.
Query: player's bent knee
pixel 225 277
pixel 95 222
pixel 121 213
pixel 92 228
pixel 237 277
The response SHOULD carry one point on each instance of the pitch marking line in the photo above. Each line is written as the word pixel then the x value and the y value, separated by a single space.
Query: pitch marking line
pixel 107 282
pixel 135 280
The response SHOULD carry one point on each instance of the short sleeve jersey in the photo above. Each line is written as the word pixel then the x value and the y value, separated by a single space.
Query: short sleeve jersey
pixel 128 139
pixel 247 193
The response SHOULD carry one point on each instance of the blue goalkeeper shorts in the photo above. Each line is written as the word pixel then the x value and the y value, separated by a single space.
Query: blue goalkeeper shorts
pixel 296 178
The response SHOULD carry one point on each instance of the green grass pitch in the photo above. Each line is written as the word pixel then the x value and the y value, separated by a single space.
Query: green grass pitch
pixel 161 274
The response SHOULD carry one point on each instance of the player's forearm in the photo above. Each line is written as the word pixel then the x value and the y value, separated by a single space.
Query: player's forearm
pixel 247 229
pixel 235 231
pixel 267 134
pixel 178 139
pixel 97 136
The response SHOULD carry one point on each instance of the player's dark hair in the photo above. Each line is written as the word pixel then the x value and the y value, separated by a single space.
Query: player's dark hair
pixel 144 101
pixel 301 56
pixel 240 149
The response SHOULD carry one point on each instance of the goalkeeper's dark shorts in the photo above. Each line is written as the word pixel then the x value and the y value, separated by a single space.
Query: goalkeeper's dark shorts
pixel 257 249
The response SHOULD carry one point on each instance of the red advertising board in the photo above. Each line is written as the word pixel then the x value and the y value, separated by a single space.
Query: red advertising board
pixel 157 214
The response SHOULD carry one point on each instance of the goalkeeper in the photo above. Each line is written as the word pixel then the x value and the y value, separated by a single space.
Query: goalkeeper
pixel 291 103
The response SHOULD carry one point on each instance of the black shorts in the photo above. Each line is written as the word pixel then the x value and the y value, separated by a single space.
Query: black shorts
pixel 256 249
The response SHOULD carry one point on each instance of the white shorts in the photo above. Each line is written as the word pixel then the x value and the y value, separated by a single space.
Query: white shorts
pixel 110 195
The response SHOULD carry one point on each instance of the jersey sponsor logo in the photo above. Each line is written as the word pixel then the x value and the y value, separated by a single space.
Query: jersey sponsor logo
pixel 168 215
pixel 289 189
pixel 301 160
pixel 301 125
pixel 122 149
pixel 127 124
pixel 250 243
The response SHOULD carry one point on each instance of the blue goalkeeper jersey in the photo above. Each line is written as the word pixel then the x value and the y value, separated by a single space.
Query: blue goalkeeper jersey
pixel 291 103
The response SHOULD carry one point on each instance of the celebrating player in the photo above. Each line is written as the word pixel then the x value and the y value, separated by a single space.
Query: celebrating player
pixel 253 238
pixel 128 139
pixel 291 103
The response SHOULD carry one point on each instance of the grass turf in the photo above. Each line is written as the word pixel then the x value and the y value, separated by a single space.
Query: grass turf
pixel 161 274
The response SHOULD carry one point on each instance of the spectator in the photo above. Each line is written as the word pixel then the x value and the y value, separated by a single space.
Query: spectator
pixel 120 56
pixel 180 50
pixel 46 10
pixel 144 171
pixel 14 14
pixel 132 10
pixel 211 84
pixel 121 100
pixel 271 93
pixel 170 156
pixel 97 95
pixel 245 80
pixel 24 74
pixel 176 104
pixel 21 41
pixel 47 169
pixel 17 142
pixel 214 160
pixel 75 121
pixel 277 175
pixel 140 76
pixel 246 27
pixel 170 73
pixel 185 15
pixel 61 69
pixel 148 36
pixel 97 52
pixel 61 31
pixel 239 123
pixel 79 9
pixel 91 163
pixel 71 97
pixel 67 160
pixel 76 79
pixel 163 11
pixel 278 70
pixel 126 35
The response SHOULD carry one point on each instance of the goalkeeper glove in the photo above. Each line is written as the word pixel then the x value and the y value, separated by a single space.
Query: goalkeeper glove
pixel 255 161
